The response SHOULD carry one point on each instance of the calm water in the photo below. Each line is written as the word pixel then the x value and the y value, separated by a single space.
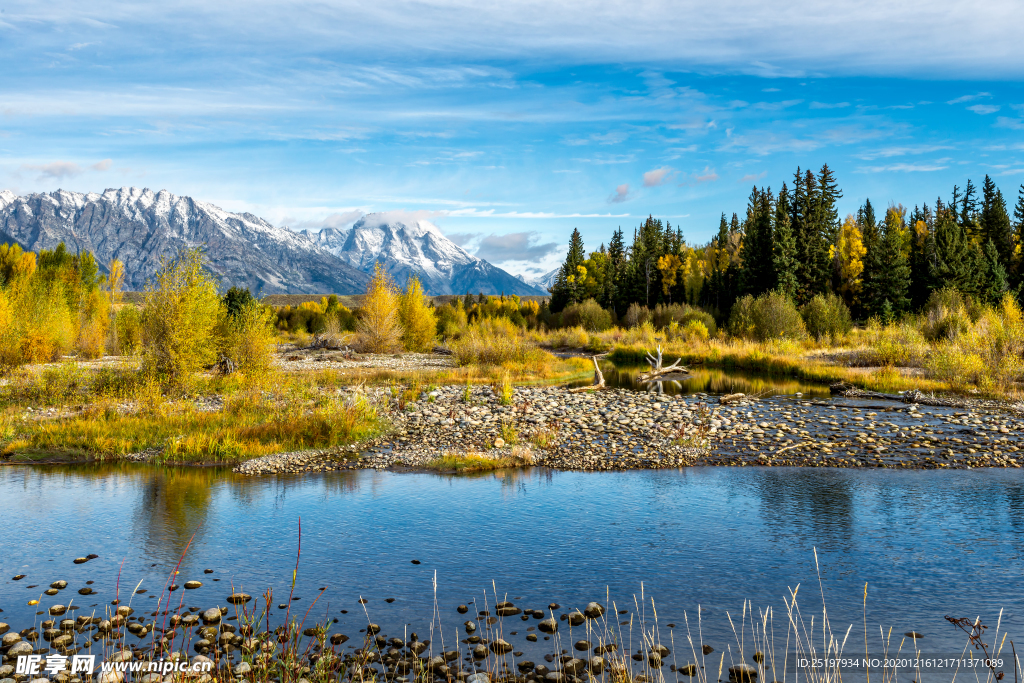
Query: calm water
pixel 928 543
pixel 711 381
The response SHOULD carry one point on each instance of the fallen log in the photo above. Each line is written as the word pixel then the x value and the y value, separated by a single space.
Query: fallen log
pixel 657 370
pixel 915 396
pixel 731 398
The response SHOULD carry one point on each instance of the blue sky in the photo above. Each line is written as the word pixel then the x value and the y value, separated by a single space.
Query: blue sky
pixel 509 123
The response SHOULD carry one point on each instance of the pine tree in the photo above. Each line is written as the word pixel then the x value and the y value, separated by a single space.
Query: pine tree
pixel 995 222
pixel 922 249
pixel 758 275
pixel 968 208
pixel 617 268
pixel 1017 259
pixel 821 230
pixel 567 288
pixel 784 247
pixel 873 263
pixel 893 282
pixel 957 259
pixel 994 283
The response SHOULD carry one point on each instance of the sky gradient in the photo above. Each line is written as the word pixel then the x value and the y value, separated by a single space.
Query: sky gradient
pixel 509 123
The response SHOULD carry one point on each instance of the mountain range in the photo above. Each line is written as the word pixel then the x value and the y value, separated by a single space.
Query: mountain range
pixel 141 228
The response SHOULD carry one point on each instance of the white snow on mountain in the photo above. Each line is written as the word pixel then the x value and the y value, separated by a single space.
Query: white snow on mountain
pixel 409 246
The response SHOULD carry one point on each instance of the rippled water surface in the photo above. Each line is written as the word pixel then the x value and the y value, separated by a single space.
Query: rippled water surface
pixel 928 543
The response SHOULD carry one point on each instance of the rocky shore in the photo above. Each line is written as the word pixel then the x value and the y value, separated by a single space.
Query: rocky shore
pixel 236 637
pixel 618 429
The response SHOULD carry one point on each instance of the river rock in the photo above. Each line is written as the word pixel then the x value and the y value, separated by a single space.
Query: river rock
pixel 576 618
pixel 547 626
pixel 742 673
pixel 470 626
pixel 212 616
pixel 192 585
pixel 480 651
pixel 582 645
pixel 479 677
pixel 593 610
pixel 57 610
pixel 20 648
pixel 500 647
pixel 596 665
pixel 573 666
pixel 9 639
pixel 238 598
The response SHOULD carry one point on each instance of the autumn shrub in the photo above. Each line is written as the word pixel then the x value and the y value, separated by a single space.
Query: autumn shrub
pixel 771 316
pixel 249 337
pixel 180 319
pixel 568 337
pixel 128 331
pixel 379 329
pixel 419 323
pixel 897 344
pixel 588 315
pixel 945 315
pixel 496 341
pixel 637 315
pixel 451 319
pixel 827 317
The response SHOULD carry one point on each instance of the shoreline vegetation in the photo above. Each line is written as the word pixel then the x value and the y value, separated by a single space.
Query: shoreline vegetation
pixel 188 374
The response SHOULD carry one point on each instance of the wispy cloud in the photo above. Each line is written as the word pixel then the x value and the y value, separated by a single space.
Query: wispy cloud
pixel 751 177
pixel 984 108
pixel 1007 122
pixel 969 98
pixel 904 168
pixel 828 105
pixel 899 151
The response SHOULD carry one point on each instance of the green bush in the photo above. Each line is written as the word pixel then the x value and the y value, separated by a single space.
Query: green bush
pixel 770 316
pixel 250 334
pixel 827 316
pixel 697 315
pixel 589 315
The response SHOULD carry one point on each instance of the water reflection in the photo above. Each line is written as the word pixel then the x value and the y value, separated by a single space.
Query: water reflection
pixel 711 381
pixel 929 543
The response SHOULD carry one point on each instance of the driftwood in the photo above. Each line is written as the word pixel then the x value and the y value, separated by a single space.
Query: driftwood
pixel 915 396
pixel 731 398
pixel 598 379
pixel 658 371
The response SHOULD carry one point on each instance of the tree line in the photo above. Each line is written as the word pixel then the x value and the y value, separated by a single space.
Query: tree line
pixel 881 263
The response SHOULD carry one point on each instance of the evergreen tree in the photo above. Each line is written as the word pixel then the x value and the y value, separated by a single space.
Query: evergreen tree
pixel 994 283
pixel 995 222
pixel 893 282
pixel 957 259
pixel 758 275
pixel 968 208
pixel 871 300
pixel 784 247
pixel 821 230
pixel 1018 238
pixel 617 268
pixel 922 249
pixel 567 287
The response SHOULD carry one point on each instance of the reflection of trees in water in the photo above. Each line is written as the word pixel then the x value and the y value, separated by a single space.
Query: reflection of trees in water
pixel 714 381
pixel 809 504
pixel 173 504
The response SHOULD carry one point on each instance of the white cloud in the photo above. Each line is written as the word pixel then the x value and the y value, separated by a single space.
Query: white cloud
pixel 515 246
pixel 657 176
pixel 969 98
pixel 751 177
pixel 621 194
pixel 904 168
pixel 984 108
pixel 827 105
pixel 57 170
pixel 1007 122
pixel 102 165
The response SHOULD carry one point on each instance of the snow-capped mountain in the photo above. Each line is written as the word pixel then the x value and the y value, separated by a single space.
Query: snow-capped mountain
pixel 140 227
pixel 416 247
pixel 547 280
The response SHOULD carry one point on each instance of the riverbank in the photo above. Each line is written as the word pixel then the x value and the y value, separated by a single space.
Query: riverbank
pixel 310 419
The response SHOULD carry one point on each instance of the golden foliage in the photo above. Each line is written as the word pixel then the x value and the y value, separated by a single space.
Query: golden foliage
pixel 180 318
pixel 379 329
pixel 419 323
pixel 851 254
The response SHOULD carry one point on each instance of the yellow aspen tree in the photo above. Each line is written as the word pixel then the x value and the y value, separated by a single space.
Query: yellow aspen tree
pixel 419 321
pixel 379 329
pixel 850 252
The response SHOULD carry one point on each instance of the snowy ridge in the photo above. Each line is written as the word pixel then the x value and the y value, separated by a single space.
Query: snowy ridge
pixel 140 227
pixel 417 247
